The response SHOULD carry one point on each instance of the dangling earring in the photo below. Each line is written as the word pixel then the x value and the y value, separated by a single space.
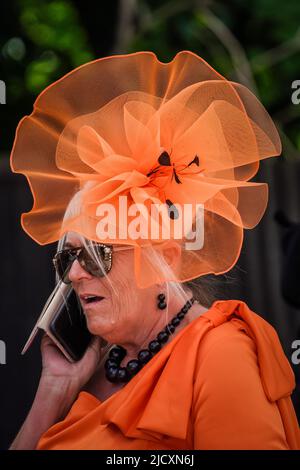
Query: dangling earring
pixel 161 301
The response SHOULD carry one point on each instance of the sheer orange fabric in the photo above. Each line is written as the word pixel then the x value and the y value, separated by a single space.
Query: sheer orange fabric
pixel 222 383
pixel 107 123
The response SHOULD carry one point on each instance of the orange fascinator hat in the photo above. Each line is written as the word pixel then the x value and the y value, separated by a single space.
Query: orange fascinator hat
pixel 129 132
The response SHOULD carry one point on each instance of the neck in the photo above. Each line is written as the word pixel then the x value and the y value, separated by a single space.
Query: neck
pixel 150 331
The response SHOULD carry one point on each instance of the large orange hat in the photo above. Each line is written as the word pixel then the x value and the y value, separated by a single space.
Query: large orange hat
pixel 130 126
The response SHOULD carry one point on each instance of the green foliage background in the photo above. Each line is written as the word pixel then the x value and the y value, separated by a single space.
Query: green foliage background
pixel 257 43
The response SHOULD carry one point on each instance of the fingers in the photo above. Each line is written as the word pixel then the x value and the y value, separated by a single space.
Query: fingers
pixel 48 344
pixel 46 340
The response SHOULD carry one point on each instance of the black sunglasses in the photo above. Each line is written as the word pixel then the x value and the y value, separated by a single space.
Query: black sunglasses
pixel 64 259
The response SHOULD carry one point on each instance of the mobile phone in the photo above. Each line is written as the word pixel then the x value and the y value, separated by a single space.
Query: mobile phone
pixel 68 327
pixel 62 318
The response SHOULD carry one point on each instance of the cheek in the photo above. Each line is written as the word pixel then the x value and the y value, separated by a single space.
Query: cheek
pixel 117 311
pixel 122 277
pixel 123 264
pixel 103 318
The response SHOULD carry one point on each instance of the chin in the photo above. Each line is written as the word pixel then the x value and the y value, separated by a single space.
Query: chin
pixel 96 326
pixel 93 326
pixel 99 322
pixel 106 332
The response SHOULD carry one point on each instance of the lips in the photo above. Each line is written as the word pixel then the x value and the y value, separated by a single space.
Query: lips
pixel 87 299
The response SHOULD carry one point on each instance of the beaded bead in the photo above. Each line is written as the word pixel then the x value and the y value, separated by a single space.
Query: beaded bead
pixel 161 297
pixel 118 353
pixel 184 309
pixel 133 366
pixel 175 322
pixel 162 305
pixel 180 315
pixel 170 328
pixel 112 374
pixel 122 374
pixel 144 356
pixel 154 346
pixel 162 337
pixel 111 363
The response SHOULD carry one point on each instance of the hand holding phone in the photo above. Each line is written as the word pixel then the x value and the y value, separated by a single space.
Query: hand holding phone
pixel 64 322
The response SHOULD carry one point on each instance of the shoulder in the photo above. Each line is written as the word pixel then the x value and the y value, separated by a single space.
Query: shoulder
pixel 217 345
pixel 231 337
pixel 226 363
pixel 227 359
pixel 220 329
pixel 231 329
pixel 239 343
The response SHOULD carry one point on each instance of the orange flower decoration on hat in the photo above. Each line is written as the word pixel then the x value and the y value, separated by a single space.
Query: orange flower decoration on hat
pixel 171 133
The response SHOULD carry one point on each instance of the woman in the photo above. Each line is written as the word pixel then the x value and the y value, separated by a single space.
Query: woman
pixel 186 373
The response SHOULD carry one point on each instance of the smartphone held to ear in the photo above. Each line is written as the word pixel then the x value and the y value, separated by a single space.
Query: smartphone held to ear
pixel 64 322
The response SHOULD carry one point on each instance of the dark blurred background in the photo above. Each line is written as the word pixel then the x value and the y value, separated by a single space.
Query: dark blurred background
pixel 256 43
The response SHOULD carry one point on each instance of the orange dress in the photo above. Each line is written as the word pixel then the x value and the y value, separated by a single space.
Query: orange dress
pixel 223 382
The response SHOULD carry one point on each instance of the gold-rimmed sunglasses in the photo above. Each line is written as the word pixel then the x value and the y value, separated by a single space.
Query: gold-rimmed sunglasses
pixel 64 259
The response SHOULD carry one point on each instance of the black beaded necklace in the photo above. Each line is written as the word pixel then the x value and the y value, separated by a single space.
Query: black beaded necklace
pixel 116 374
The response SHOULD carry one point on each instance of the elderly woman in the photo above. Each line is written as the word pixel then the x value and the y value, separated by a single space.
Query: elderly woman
pixel 179 370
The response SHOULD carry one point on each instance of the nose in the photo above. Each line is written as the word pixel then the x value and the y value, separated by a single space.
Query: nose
pixel 77 272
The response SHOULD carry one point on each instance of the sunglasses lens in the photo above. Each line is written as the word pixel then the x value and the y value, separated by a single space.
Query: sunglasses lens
pixel 63 263
pixel 96 264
